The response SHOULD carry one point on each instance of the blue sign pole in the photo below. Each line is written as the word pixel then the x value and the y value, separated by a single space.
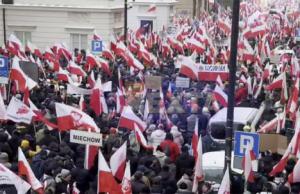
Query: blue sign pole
pixel 96 46
pixel 4 71
pixel 241 141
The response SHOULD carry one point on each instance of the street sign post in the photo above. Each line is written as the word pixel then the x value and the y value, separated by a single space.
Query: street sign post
pixel 242 139
pixel 86 138
pixel 96 46
pixel 4 72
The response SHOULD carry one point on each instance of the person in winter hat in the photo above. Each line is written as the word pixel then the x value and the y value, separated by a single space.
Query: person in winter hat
pixel 4 159
pixel 178 139
pixel 157 137
pixel 170 148
pixel 62 180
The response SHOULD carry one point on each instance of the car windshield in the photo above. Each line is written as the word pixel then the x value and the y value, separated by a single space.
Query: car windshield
pixel 218 129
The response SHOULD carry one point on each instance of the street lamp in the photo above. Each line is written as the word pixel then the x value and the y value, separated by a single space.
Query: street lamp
pixel 125 22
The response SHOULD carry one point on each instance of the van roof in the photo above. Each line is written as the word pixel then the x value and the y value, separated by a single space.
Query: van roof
pixel 241 115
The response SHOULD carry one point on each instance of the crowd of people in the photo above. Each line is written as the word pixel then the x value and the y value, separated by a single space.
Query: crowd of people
pixel 162 158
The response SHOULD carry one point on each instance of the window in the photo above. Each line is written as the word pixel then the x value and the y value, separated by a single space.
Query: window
pixel 79 41
pixel 23 36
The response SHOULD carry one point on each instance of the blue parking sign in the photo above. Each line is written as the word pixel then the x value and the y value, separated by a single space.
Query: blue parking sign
pixel 242 139
pixel 4 73
pixel 96 46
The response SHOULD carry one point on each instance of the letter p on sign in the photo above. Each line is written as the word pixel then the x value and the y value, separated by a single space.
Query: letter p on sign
pixel 242 139
pixel 96 46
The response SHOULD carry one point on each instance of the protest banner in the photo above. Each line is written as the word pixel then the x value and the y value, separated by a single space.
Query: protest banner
pixel 211 72
pixel 86 138
pixel 153 82
pixel 276 143
pixel 182 82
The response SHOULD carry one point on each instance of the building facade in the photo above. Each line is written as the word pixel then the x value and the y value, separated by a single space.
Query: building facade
pixel 73 22
pixel 161 17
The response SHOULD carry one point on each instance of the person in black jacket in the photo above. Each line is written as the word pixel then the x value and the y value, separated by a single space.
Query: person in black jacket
pixel 184 162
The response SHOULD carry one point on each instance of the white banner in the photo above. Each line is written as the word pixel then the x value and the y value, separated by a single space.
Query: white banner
pixel 71 89
pixel 86 138
pixel 18 112
pixel 182 82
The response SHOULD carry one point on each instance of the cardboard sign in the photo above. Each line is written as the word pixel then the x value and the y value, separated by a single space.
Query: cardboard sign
pixel 273 142
pixel 153 82
pixel 211 72
pixel 182 82
pixel 86 138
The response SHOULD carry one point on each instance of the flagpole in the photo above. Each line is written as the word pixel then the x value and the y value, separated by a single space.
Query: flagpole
pixel 232 78
pixel 125 22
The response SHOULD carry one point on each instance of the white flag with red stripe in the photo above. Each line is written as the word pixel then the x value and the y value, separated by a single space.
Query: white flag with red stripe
pixel 294 98
pixel 188 67
pixel 294 177
pixel 129 118
pixel 69 117
pixel 277 83
pixel 126 182
pixel 76 69
pixel 91 80
pixel 247 164
pixel 220 96
pixel 106 180
pixel 152 8
pixel 140 138
pixel 199 173
pixel 220 82
pixel 2 108
pixel 121 101
pixel 225 184
pixel 90 154
pixel 195 139
pixel 118 161
pixel 10 178
pixel 25 170
pixel 19 112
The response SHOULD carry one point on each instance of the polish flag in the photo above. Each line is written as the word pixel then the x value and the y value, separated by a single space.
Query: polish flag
pixel 69 117
pixel 220 82
pixel 15 42
pixel 105 66
pixel 19 112
pixel 10 178
pixel 225 184
pixel 53 65
pixel 23 81
pixel 108 54
pixel 63 75
pixel 33 49
pixel 195 45
pixel 25 170
pixel 91 61
pixel 76 69
pixel 199 173
pixel 146 110
pixel 188 68
pixel 294 98
pixel 141 139
pixel 129 118
pixel 117 162
pixel 247 164
pixel 96 36
pixel 279 167
pixel 269 126
pixel 152 8
pixel 126 182
pixel 121 101
pixel 224 25
pixel 243 79
pixel 2 109
pixel 277 83
pixel 97 101
pixel 121 85
pixel 294 177
pixel 195 139
pixel 91 80
pixel 106 180
pixel 267 71
pixel 220 96
pixel 48 54
pixel 90 154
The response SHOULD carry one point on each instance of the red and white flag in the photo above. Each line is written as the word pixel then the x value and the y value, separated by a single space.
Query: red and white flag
pixel 97 102
pixel 63 75
pixel 69 117
pixel 247 164
pixel 19 112
pixel 225 184
pixel 121 101
pixel 33 49
pixel 269 126
pixel 10 178
pixel 2 109
pixel 129 118
pixel 277 83
pixel 106 180
pixel 82 105
pixel 199 173
pixel 104 64
pixel 188 67
pixel 25 170
pixel 91 80
pixel 108 54
pixel 91 152
pixel 76 69
pixel 117 161
pixel 220 96
pixel 23 81
pixel 96 36
pixel 152 8
pixel 140 138
pixel 294 98
pixel 126 182
pixel 195 139
pixel 294 177
pixel 220 82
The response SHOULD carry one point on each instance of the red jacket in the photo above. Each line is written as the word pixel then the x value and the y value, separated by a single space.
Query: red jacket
pixel 173 148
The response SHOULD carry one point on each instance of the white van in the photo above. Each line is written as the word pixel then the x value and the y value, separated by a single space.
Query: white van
pixel 215 140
